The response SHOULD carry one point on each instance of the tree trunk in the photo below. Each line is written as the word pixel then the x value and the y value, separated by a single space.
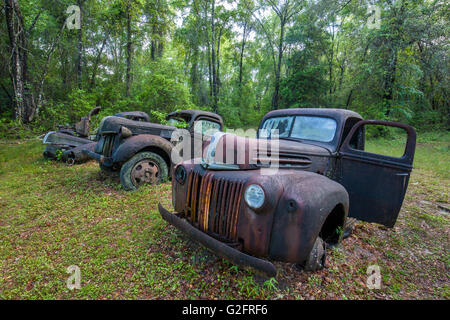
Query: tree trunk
pixel 218 63
pixel 195 81
pixel 330 63
pixel 97 62
pixel 128 75
pixel 275 97
pixel 389 82
pixel 349 99
pixel 209 70
pixel 23 102
pixel 80 49
pixel 213 58
pixel 241 58
pixel 153 44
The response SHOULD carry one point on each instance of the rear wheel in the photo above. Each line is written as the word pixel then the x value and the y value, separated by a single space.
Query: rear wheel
pixel 316 259
pixel 143 168
pixel 348 227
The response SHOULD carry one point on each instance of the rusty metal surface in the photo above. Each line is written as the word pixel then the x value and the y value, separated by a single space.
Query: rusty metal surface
pixel 298 202
pixel 59 142
pixel 63 139
pixel 135 144
pixel 114 149
pixel 76 155
pixel 68 138
pixel 213 204
pixel 145 171
pixel 300 206
pixel 134 115
pixel 250 153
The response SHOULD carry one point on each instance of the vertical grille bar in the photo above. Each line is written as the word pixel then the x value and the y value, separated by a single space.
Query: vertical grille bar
pixel 229 214
pixel 222 207
pixel 194 198
pixel 107 145
pixel 234 220
pixel 212 204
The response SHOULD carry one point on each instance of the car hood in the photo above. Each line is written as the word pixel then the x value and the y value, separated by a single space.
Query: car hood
pixel 228 151
pixel 112 124
pixel 297 147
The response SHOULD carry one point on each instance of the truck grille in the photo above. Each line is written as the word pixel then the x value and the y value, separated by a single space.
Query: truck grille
pixel 108 145
pixel 213 205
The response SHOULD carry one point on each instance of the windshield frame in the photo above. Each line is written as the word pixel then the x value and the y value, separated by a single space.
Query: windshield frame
pixel 291 127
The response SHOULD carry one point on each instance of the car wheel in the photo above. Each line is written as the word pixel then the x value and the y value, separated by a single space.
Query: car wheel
pixel 143 168
pixel 316 259
pixel 349 225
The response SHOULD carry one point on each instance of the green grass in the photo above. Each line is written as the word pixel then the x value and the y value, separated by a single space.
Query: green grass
pixel 432 151
pixel 53 216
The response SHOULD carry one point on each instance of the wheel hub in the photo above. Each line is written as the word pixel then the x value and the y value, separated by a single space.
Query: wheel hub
pixel 145 172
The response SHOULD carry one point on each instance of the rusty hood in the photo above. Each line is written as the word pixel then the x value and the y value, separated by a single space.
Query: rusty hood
pixel 229 151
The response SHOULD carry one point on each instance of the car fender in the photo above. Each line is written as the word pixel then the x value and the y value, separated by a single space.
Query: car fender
pixel 307 201
pixel 141 142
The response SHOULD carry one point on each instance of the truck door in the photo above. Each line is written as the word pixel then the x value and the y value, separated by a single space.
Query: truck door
pixel 376 183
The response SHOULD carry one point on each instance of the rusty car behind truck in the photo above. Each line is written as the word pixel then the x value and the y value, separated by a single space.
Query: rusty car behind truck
pixel 67 143
pixel 325 175
pixel 141 151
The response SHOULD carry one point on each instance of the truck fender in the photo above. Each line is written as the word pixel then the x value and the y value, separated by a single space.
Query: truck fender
pixel 142 142
pixel 310 203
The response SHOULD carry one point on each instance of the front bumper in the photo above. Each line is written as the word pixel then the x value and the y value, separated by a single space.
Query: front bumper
pixel 219 248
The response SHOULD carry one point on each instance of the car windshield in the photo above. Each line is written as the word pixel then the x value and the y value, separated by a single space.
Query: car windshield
pixel 206 127
pixel 177 122
pixel 314 128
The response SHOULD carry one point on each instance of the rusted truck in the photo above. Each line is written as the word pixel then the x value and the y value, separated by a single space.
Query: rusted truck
pixel 141 151
pixel 324 176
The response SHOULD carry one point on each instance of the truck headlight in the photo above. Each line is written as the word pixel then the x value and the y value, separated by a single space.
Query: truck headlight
pixel 254 196
pixel 125 132
pixel 180 174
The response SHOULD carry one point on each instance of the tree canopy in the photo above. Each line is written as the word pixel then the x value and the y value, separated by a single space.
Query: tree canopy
pixel 386 59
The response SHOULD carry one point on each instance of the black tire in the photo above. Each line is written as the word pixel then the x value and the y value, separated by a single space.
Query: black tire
pixel 153 169
pixel 317 257
pixel 349 225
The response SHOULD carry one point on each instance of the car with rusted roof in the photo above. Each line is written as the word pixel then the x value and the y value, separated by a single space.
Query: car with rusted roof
pixel 324 175
pixel 141 151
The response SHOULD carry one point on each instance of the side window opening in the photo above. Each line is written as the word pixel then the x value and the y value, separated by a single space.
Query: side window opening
pixel 380 139
pixel 357 140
